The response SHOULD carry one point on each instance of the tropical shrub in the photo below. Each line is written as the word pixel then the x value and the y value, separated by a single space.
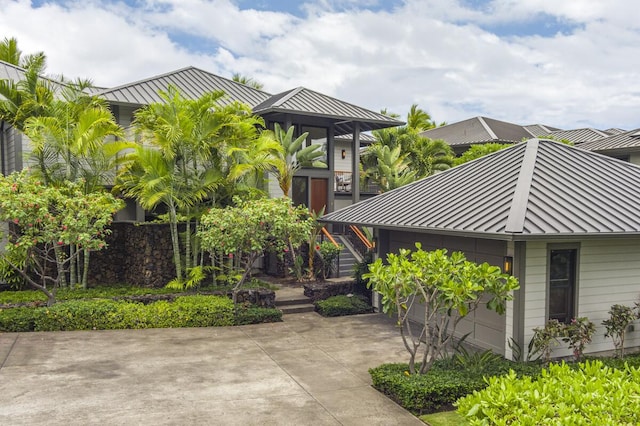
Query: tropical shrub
pixel 445 383
pixel 449 288
pixel 577 334
pixel 590 394
pixel 620 317
pixel 329 252
pixel 341 305
pixel 103 314
pixel 255 315
pixel 544 339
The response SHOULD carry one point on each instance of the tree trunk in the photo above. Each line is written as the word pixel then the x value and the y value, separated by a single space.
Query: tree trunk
pixel 72 266
pixel 187 243
pixel 62 278
pixel 85 269
pixel 173 225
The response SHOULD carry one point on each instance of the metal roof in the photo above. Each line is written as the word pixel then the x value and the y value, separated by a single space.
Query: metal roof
pixel 478 130
pixel 365 138
pixel 15 73
pixel 192 82
pixel 535 189
pixel 578 136
pixel 627 141
pixel 539 130
pixel 303 101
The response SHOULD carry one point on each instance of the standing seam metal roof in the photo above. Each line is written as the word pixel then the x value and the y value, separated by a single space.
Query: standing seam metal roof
pixel 535 189
pixel 620 141
pixel 478 130
pixel 308 102
pixel 193 83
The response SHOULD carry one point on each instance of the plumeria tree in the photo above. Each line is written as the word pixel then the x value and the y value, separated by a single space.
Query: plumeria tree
pixel 250 228
pixel 444 289
pixel 40 220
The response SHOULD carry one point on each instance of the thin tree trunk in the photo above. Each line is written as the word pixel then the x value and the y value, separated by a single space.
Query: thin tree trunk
pixel 72 266
pixel 173 225
pixel 187 243
pixel 85 270
pixel 62 278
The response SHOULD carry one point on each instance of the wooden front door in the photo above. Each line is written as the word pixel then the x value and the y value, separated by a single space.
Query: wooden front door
pixel 319 193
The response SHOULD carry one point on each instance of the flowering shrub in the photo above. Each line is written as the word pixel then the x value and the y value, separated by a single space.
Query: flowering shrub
pixel 620 317
pixel 44 221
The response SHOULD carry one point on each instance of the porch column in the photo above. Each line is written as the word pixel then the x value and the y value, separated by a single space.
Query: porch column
pixel 331 154
pixel 355 164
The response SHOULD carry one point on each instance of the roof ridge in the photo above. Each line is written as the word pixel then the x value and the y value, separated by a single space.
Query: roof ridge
pixel 288 96
pixel 487 128
pixel 518 209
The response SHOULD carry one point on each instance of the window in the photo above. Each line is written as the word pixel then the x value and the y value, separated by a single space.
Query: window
pixel 562 283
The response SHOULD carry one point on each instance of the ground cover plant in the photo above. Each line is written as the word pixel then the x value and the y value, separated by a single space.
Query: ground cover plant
pixel 592 393
pixel 348 304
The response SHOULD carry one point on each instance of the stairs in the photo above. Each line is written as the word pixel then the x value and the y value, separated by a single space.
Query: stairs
pixel 291 300
pixel 348 258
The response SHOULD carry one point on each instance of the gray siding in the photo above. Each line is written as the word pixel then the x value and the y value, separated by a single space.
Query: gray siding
pixel 485 328
pixel 608 275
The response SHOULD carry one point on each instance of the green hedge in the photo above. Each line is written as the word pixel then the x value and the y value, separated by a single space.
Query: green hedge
pixel 185 311
pixel 562 395
pixel 441 386
pixel 253 315
pixel 336 306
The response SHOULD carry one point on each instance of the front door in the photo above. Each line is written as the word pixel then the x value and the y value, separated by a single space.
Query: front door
pixel 319 193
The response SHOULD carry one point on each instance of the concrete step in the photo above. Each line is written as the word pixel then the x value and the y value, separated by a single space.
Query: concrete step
pixel 291 300
pixel 297 309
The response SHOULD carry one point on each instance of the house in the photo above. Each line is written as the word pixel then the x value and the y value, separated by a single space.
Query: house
pixel 568 220
pixel 327 120
pixel 482 130
pixel 622 145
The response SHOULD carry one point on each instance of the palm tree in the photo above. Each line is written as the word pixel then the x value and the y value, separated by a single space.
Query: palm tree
pixel 194 147
pixel 392 170
pixel 291 157
pixel 248 81
pixel 69 144
pixel 419 120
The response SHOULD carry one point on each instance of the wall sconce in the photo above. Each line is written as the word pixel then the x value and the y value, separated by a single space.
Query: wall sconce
pixel 507 265
pixel 344 154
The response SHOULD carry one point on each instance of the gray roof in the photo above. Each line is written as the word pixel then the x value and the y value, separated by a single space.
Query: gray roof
pixel 12 72
pixel 193 83
pixel 302 101
pixel 537 189
pixel 622 142
pixel 365 138
pixel 540 130
pixel 478 130
pixel 578 136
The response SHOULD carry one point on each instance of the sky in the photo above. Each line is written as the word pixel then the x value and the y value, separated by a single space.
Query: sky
pixel 563 63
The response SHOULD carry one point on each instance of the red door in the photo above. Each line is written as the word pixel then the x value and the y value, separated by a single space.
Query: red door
pixel 319 193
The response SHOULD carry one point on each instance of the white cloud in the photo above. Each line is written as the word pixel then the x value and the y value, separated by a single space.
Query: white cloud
pixel 431 52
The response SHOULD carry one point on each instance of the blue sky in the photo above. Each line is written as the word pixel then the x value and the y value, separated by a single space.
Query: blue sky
pixel 567 64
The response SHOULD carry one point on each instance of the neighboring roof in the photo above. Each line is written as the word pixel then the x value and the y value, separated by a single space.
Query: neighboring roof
pixel 478 130
pixel 537 189
pixel 365 138
pixel 614 131
pixel 539 130
pixel 12 72
pixel 622 142
pixel 302 101
pixel 578 136
pixel 193 83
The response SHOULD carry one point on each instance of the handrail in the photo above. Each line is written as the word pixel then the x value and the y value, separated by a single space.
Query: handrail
pixel 328 235
pixel 361 236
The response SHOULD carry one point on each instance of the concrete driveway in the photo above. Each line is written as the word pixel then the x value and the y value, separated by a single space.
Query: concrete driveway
pixel 307 370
